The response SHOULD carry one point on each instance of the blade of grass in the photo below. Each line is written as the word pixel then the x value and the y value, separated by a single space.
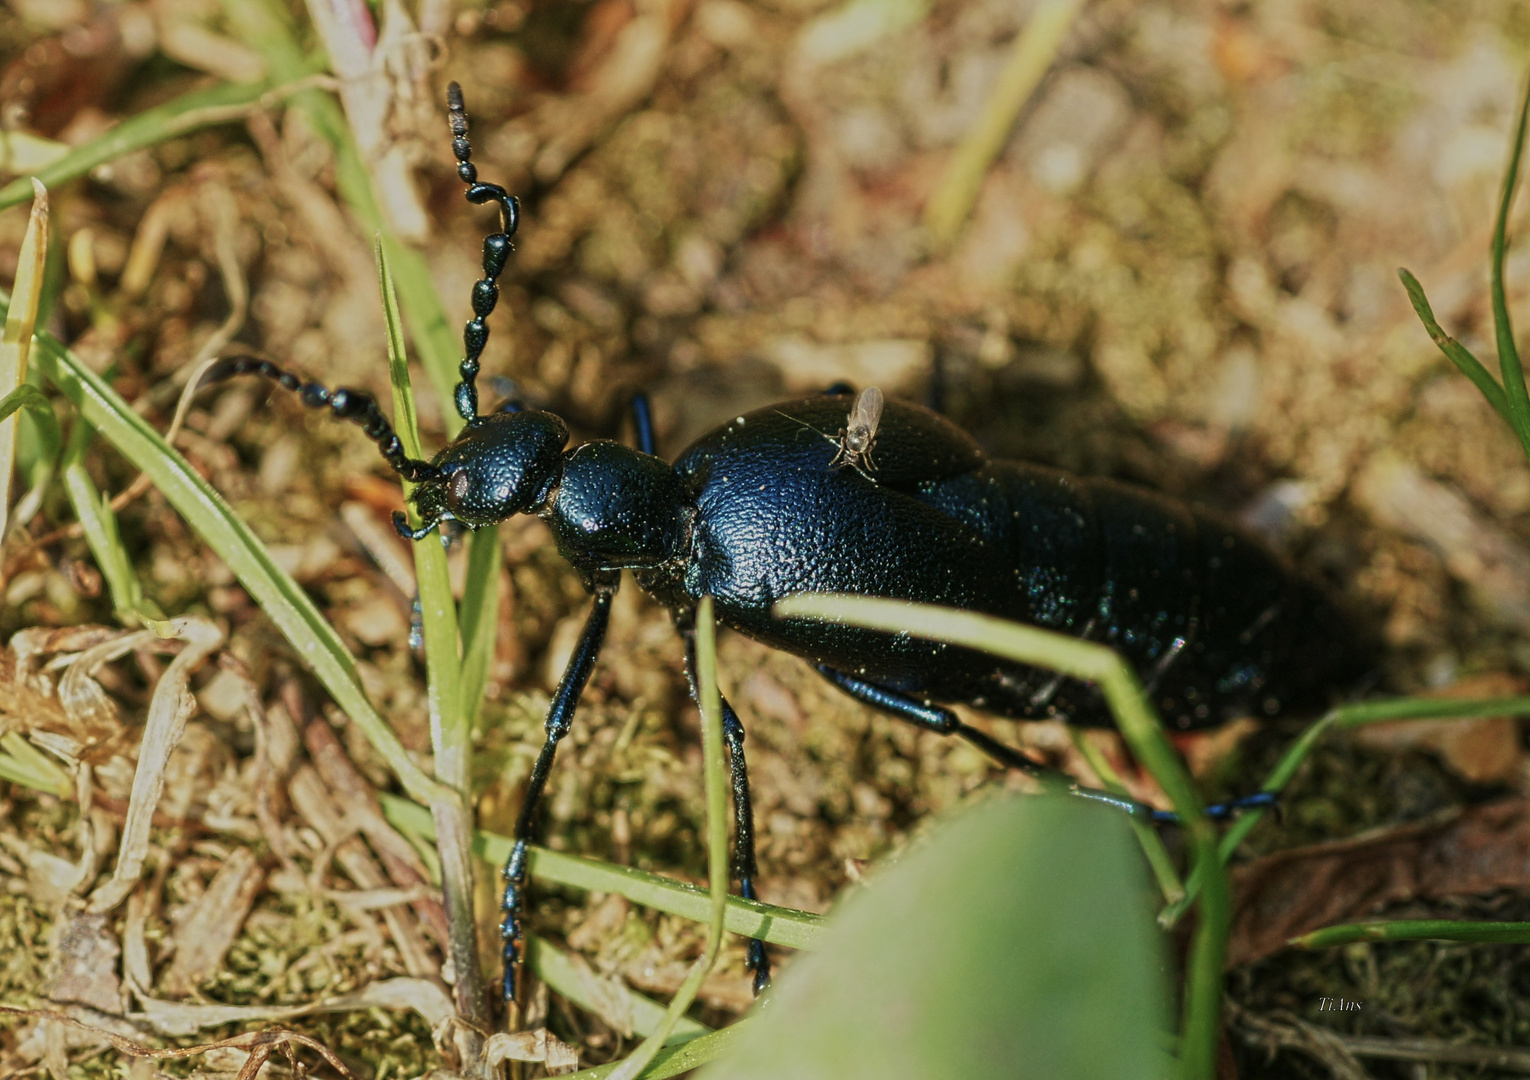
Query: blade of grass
pixel 1135 717
pixel 451 738
pixel 94 513
pixel 1513 372
pixel 1454 351
pixel 1507 933
pixel 674 1060
pixel 718 867
pixel 1343 717
pixel 264 26
pixel 749 918
pixel 1034 50
pixel 479 618
pixel 281 598
pixel 16 338
pixel 1152 844
pixel 219 104
pixel 24 764
pixel 48 441
pixel 554 967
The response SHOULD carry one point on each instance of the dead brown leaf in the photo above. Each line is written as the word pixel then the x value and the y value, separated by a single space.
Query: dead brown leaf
pixel 1292 892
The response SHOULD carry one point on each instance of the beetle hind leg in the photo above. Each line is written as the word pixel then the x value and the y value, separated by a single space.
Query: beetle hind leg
pixel 939 719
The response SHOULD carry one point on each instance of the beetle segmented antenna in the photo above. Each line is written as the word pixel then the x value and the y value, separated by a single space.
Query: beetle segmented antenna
pixel 352 405
pixel 496 249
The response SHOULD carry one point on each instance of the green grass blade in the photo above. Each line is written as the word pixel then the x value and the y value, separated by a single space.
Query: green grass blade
pixel 674 1060
pixel 1158 858
pixel 709 698
pixel 95 515
pixel 749 918
pixel 1031 55
pixel 26 396
pixel 219 104
pixel 16 336
pixel 480 618
pixel 1513 372
pixel 24 764
pixel 451 738
pixel 450 735
pixel 281 598
pixel 1454 351
pixel 1505 933
pixel 554 967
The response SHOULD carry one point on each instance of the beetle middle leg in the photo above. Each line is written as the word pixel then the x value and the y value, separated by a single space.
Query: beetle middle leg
pixel 559 717
pixel 744 866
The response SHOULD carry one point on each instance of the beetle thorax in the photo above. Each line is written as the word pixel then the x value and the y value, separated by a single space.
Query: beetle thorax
pixel 617 508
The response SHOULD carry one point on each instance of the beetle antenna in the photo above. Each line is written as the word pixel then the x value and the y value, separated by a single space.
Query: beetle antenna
pixel 353 405
pixel 496 249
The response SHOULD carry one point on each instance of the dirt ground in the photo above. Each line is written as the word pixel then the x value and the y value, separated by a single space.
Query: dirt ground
pixel 1179 271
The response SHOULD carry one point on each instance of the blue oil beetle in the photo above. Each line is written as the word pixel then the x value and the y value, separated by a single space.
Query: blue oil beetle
pixel 773 504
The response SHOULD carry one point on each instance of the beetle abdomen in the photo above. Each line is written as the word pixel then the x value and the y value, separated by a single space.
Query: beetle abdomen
pixel 1215 623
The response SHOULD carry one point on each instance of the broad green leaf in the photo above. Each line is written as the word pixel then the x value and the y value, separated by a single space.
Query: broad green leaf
pixel 1014 941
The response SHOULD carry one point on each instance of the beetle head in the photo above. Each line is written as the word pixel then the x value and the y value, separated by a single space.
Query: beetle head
pixel 501 464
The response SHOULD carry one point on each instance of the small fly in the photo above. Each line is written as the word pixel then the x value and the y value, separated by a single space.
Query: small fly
pixel 860 433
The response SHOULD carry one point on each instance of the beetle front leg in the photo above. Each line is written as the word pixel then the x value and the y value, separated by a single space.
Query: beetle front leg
pixel 559 718
pixel 745 868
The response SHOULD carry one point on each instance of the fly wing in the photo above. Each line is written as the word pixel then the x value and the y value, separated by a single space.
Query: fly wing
pixel 866 414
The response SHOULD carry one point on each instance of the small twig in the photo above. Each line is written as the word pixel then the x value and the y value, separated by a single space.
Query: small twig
pixel 253 1041
pixel 1035 50
pixel 1282 1030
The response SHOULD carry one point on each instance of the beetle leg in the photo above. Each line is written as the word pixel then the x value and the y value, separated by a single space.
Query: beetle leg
pixel 559 717
pixel 642 423
pixel 939 719
pixel 744 866
pixel 1259 800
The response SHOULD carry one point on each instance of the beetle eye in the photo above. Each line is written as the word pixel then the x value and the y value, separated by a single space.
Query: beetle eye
pixel 457 488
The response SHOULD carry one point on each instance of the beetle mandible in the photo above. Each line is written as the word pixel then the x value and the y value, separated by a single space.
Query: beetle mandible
pixel 1214 623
